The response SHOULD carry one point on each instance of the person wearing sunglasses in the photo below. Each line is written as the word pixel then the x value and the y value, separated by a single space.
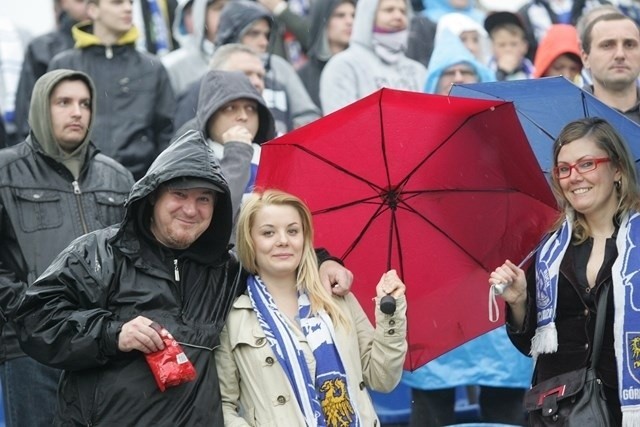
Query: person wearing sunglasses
pixel 589 254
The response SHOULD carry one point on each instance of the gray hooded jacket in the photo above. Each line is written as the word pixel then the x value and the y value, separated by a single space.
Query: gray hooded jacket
pixel 43 206
pixel 358 71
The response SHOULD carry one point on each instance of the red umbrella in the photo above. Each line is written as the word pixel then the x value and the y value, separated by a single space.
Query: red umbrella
pixel 442 189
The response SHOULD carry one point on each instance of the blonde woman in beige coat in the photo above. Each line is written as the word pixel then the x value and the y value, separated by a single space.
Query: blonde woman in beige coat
pixel 290 353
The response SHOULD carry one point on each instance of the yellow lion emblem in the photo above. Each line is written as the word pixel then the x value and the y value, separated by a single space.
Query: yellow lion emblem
pixel 635 351
pixel 336 404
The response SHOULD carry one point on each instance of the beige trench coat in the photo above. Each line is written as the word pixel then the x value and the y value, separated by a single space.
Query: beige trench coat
pixel 255 390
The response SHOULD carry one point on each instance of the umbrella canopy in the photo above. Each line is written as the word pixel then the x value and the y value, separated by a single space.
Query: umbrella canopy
pixel 442 189
pixel 545 106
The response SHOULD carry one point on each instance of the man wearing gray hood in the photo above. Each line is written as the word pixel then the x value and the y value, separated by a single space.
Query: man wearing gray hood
pixel 189 63
pixel 375 57
pixel 54 187
pixel 236 121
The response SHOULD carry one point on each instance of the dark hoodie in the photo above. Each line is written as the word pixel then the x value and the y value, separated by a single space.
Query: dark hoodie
pixel 72 315
pixel 133 122
pixel 319 52
pixel 36 60
pixel 284 92
pixel 220 87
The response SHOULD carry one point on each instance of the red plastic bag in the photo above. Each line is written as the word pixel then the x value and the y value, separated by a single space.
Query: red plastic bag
pixel 170 366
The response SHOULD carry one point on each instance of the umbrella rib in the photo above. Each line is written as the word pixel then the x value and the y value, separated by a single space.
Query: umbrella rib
pixel 346 205
pixel 336 166
pixel 355 242
pixel 384 145
pixel 410 209
pixel 435 150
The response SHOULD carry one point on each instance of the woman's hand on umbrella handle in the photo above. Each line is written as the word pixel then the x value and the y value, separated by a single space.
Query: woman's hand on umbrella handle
pixel 390 284
pixel 511 281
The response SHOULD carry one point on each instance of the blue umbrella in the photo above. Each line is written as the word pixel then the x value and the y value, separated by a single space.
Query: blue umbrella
pixel 544 106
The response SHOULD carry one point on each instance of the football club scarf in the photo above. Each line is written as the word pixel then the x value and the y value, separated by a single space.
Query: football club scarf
pixel 331 393
pixel 626 325
pixel 625 276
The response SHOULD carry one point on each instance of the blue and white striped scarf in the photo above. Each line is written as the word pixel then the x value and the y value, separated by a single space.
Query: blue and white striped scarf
pixel 626 276
pixel 326 400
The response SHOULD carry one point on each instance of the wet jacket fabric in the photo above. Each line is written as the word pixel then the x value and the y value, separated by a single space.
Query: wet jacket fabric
pixel 288 94
pixel 39 53
pixel 135 106
pixel 358 71
pixel 72 315
pixel 43 207
pixel 252 379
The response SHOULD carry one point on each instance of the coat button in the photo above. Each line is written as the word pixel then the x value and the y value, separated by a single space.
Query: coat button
pixel 269 360
pixel 392 322
pixel 281 400
pixel 260 341
pixel 586 346
pixel 392 331
pixel 586 312
pixel 361 385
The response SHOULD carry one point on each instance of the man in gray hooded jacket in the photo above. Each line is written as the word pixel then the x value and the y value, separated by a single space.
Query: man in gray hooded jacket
pixel 54 187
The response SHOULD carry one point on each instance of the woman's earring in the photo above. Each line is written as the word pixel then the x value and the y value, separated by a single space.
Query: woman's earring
pixel 618 184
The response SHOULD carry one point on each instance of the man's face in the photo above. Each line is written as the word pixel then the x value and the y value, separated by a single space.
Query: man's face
pixel 70 106
pixel 391 15
pixel 614 58
pixel 339 27
pixel 257 36
pixel 181 216
pixel 76 9
pixel 213 18
pixel 459 73
pixel 250 65
pixel 114 17
pixel 243 112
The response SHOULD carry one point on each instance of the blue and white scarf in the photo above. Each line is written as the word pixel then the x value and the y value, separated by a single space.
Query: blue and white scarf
pixel 626 276
pixel 326 400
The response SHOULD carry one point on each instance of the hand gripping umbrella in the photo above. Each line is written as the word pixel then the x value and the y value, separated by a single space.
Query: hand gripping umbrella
pixel 545 106
pixel 442 189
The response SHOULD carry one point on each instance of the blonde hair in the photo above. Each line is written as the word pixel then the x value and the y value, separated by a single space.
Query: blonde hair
pixel 308 278
pixel 609 140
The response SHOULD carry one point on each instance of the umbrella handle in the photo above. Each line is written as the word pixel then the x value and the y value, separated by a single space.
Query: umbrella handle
pixel 498 288
pixel 388 304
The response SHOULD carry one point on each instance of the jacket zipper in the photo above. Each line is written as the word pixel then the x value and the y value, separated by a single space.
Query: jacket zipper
pixel 78 193
pixel 108 52
pixel 176 270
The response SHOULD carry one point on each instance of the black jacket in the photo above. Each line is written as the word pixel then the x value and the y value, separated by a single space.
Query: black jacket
pixel 575 321
pixel 135 107
pixel 40 52
pixel 42 208
pixel 72 315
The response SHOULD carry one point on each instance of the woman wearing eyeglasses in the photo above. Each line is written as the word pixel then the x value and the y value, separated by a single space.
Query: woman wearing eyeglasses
pixel 551 309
